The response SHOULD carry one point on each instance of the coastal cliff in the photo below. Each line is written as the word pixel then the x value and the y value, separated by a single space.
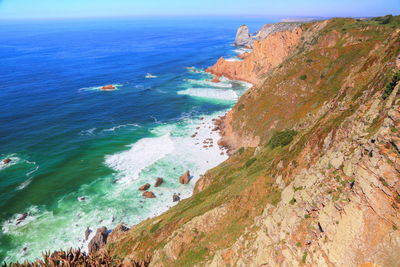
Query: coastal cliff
pixel 313 178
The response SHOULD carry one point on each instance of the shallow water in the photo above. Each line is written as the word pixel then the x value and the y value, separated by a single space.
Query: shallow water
pixel 68 139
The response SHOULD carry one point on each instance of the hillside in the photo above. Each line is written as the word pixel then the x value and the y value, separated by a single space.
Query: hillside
pixel 313 177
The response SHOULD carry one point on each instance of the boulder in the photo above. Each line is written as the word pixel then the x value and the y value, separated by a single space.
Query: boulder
pixel 176 198
pixel 108 87
pixel 99 240
pixel 243 37
pixel 144 187
pixel 185 178
pixel 159 181
pixel 6 161
pixel 87 233
pixel 149 194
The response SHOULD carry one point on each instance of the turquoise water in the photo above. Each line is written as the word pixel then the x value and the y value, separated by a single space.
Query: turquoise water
pixel 67 139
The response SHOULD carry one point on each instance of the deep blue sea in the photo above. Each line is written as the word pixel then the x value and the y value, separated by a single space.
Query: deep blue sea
pixel 80 153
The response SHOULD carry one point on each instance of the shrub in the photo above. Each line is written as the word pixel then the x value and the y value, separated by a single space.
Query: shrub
pixel 250 162
pixel 240 107
pixel 391 85
pixel 241 150
pixel 303 77
pixel 282 138
pixel 307 216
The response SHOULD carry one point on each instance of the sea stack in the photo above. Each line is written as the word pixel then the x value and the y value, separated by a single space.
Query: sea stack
pixel 108 87
pixel 185 178
pixel 243 37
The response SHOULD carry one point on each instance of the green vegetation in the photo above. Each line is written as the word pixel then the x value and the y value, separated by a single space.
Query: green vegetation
pixel 282 138
pixel 391 85
pixel 303 260
pixel 298 244
pixel 292 201
pixel 241 150
pixel 250 162
pixel 240 107
pixel 303 77
pixel 307 216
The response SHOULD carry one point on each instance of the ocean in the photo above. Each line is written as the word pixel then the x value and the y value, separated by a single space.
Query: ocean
pixel 79 154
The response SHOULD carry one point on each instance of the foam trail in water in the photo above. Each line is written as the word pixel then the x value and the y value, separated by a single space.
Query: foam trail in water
pixel 210 93
pixel 222 84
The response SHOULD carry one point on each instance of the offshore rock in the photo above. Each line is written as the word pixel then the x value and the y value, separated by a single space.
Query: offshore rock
pixel 6 161
pixel 149 194
pixel 99 240
pixel 243 37
pixel 159 181
pixel 144 187
pixel 185 178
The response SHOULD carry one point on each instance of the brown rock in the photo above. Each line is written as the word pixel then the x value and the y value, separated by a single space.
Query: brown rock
pixel 108 87
pixel 158 182
pixel 99 240
pixel 185 178
pixel 144 187
pixel 149 194
pixel 6 161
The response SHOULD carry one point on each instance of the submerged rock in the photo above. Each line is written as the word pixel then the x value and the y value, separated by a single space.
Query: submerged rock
pixel 99 240
pixel 185 178
pixel 243 37
pixel 144 187
pixel 22 218
pixel 159 181
pixel 149 194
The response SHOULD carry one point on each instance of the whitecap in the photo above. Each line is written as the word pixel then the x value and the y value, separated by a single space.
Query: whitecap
pixel 112 129
pixel 88 132
pixel 243 50
pixel 233 59
pixel 210 93
pixel 24 184
pixel 150 76
pixel 142 154
pixel 14 160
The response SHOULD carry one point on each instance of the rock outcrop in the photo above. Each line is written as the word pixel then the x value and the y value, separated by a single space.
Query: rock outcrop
pixel 108 87
pixel 185 178
pixel 267 54
pixel 159 181
pixel 144 187
pixel 243 37
pixel 117 232
pixel 99 240
pixel 149 194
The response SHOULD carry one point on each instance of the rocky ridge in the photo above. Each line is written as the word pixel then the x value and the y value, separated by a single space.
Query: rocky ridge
pixel 314 173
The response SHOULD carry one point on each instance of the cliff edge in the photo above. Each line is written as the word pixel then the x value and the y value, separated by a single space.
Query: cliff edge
pixel 314 173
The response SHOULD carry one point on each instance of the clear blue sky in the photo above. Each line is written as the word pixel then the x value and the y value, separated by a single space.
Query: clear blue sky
pixel 23 9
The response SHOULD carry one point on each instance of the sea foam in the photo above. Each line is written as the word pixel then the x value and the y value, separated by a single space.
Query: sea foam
pixel 210 93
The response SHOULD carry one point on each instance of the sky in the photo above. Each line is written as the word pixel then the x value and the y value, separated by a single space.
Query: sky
pixel 26 9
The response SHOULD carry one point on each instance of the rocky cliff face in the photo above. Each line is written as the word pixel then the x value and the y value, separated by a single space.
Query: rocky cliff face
pixel 267 54
pixel 243 37
pixel 314 175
